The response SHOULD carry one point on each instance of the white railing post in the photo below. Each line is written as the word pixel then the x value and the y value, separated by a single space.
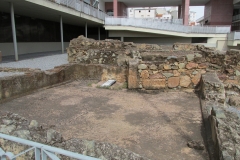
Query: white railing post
pixel 37 154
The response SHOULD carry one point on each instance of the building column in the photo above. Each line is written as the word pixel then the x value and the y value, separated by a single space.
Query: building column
pixel 179 11
pixel 185 12
pixel 122 39
pixel 86 29
pixel 99 33
pixel 14 32
pixel 61 31
pixel 115 8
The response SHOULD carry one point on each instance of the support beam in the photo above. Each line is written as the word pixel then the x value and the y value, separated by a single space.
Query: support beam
pixel 185 12
pixel 61 30
pixel 14 31
pixel 115 8
pixel 179 11
pixel 86 29
pixel 99 33
pixel 122 39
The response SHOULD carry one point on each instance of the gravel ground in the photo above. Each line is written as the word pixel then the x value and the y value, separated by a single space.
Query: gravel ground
pixel 157 126
pixel 7 74
pixel 43 63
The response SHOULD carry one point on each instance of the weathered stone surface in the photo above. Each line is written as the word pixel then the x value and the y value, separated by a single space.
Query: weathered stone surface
pixel 181 65
pixel 48 136
pixel 53 136
pixel 176 73
pixel 196 79
pixel 153 67
pixel 174 67
pixel 7 129
pixel 142 66
pixel 185 81
pixel 234 101
pixel 198 55
pixel 7 122
pixel 154 83
pixel 156 76
pixel 198 145
pixel 191 65
pixel 166 66
pixel 167 75
pixel 33 124
pixel 237 73
pixel 229 81
pixel 144 74
pixel 202 66
pixel 173 82
pixel 24 134
pixel 194 72
pixel 190 57
pixel 133 81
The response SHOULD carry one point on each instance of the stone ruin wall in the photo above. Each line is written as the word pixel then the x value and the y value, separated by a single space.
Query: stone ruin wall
pixel 142 66
pixel 216 75
pixel 154 67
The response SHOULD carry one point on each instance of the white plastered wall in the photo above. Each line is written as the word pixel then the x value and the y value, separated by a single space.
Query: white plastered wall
pixel 101 5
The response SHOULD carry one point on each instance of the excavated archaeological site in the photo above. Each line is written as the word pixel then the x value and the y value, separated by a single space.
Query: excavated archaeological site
pixel 168 102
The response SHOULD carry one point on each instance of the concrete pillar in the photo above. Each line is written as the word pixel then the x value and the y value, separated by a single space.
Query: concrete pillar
pixel 122 39
pixel 99 33
pixel 179 11
pixel 86 29
pixel 61 32
pixel 115 8
pixel 185 12
pixel 14 31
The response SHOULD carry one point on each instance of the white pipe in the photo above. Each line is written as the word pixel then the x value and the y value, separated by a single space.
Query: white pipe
pixel 61 30
pixel 14 32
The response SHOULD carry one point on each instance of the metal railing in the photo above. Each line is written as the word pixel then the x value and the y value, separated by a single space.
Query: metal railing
pixel 42 152
pixel 234 35
pixel 156 24
pixel 236 17
pixel 82 7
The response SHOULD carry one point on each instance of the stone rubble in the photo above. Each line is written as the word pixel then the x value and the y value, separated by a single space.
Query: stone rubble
pixel 15 125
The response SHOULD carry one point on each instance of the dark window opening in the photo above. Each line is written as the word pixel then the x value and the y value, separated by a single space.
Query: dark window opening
pixel 199 39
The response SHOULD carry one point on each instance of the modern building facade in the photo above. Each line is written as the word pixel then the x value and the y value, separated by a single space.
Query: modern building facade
pixel 28 26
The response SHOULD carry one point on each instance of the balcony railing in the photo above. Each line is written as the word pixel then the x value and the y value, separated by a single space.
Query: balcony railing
pixel 234 35
pixel 42 152
pixel 82 7
pixel 236 17
pixel 157 24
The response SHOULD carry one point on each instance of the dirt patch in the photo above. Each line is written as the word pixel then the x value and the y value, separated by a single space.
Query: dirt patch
pixel 157 126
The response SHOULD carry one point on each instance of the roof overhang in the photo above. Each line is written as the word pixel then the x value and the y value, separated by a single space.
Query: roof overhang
pixel 48 10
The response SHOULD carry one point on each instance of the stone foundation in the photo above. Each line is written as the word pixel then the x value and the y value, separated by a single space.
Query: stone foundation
pixel 221 116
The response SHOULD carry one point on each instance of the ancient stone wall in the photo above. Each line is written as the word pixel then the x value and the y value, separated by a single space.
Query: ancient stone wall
pixel 222 115
pixel 155 67
pixel 35 79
